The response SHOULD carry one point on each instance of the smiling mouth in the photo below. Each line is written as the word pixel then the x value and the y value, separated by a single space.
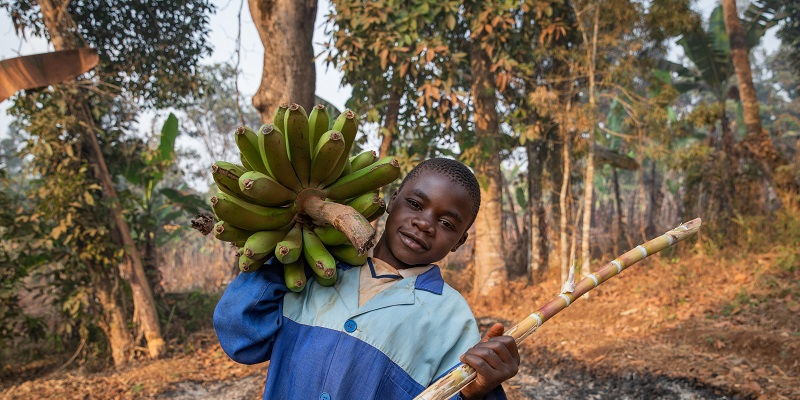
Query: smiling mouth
pixel 412 241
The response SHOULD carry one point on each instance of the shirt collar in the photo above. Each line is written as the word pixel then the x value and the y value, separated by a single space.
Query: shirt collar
pixel 429 278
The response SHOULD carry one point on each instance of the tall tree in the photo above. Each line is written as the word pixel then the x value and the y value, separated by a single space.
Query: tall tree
pixel 151 62
pixel 288 74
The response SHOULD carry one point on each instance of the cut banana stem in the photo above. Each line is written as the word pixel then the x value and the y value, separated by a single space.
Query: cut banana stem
pixel 229 233
pixel 317 256
pixel 367 203
pixel 330 236
pixel 263 190
pixel 349 255
pixel 378 174
pixel 288 250
pixel 277 119
pixel 318 123
pixel 273 152
pixel 326 154
pixel 226 176
pixel 247 142
pixel 244 215
pixel 363 160
pixel 294 275
pixel 296 123
pixel 261 245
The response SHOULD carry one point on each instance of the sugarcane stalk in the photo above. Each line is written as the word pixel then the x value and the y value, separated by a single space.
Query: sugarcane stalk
pixel 462 375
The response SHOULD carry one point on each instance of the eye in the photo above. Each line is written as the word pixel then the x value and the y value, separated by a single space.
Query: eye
pixel 414 204
pixel 447 224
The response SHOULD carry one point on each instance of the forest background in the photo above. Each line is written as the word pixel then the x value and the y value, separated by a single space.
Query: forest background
pixel 592 125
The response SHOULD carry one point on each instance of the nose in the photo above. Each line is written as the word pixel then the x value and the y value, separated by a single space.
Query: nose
pixel 423 224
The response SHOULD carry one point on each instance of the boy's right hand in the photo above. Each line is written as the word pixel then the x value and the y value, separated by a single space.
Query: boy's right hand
pixel 495 359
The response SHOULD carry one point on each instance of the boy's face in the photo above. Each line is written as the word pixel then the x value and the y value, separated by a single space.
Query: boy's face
pixel 427 218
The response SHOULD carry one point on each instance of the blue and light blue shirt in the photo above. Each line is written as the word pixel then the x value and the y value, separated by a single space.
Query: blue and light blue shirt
pixel 322 345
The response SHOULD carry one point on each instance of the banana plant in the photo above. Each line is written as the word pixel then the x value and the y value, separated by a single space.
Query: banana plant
pixel 158 204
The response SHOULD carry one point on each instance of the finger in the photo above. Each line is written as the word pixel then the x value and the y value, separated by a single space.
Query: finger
pixel 494 331
pixel 481 366
pixel 487 354
pixel 498 346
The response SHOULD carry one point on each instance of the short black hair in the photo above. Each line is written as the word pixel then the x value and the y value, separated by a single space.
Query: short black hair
pixel 457 172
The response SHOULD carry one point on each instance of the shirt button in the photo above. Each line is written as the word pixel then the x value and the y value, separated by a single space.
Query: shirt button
pixel 324 396
pixel 350 326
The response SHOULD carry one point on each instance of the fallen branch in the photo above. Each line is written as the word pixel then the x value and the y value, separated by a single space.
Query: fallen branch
pixel 462 375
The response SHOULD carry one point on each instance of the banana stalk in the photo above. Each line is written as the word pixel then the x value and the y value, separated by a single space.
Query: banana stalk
pixel 462 375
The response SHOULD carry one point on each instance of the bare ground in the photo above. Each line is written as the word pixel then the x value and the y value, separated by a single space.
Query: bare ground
pixel 696 328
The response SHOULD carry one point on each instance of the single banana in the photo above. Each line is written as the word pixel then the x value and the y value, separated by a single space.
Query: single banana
pixel 326 154
pixel 296 132
pixel 261 245
pixel 380 173
pixel 367 203
pixel 347 124
pixel 226 176
pixel 328 281
pixel 349 255
pixel 251 217
pixel 331 236
pixel 277 119
pixel 318 122
pixel 247 264
pixel 378 213
pixel 363 160
pixel 288 250
pixel 294 275
pixel 273 152
pixel 229 233
pixel 263 190
pixel 317 256
pixel 246 164
pixel 247 142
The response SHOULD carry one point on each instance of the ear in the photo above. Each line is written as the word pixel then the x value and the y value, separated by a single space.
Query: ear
pixel 460 242
pixel 391 201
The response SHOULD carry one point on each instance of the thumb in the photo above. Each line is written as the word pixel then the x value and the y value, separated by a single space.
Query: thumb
pixel 494 331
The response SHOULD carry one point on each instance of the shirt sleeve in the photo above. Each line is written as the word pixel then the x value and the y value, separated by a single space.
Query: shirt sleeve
pixel 249 315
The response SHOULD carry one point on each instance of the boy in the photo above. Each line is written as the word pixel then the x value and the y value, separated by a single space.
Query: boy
pixel 386 330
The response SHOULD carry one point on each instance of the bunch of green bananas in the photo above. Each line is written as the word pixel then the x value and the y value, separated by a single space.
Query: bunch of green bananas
pixel 278 201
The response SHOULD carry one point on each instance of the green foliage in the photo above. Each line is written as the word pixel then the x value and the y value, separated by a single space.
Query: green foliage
pixel 150 50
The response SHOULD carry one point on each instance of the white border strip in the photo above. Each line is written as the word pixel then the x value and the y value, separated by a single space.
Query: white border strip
pixel 642 250
pixel 566 298
pixel 618 265
pixel 538 318
pixel 594 279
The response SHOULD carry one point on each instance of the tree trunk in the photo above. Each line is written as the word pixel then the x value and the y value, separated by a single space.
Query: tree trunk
pixel 536 151
pixel 392 113
pixel 490 267
pixel 621 226
pixel 63 35
pixel 562 202
pixel 114 322
pixel 757 142
pixel 588 182
pixel 288 74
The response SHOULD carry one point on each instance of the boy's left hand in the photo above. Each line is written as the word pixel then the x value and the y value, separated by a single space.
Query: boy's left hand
pixel 495 359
